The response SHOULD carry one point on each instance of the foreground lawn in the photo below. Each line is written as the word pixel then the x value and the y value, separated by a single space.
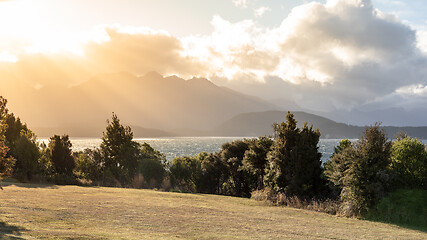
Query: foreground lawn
pixel 31 211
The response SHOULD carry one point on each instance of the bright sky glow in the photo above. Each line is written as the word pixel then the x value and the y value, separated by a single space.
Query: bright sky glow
pixel 372 47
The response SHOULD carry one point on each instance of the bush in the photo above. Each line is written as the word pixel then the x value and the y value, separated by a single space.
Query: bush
pixel 405 207
pixel 409 163
pixel 88 165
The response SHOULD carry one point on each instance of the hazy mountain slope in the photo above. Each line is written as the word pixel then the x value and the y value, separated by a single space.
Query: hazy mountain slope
pixel 260 123
pixel 151 101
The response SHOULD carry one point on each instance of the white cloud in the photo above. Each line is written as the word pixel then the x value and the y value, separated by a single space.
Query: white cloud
pixel 7 57
pixel 422 40
pixel 345 51
pixel 259 12
pixel 336 55
pixel 418 90
pixel 240 3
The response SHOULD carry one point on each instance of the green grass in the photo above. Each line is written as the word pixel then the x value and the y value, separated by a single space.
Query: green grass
pixel 403 207
pixel 32 211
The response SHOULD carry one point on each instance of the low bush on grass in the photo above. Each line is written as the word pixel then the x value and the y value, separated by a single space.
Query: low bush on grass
pixel 404 207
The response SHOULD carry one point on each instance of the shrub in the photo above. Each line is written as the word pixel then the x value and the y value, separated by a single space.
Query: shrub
pixel 409 163
pixel 406 207
pixel 88 165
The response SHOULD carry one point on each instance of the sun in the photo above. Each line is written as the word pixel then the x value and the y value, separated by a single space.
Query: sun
pixel 27 26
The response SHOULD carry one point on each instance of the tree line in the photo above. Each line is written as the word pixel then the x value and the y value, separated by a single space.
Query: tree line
pixel 287 164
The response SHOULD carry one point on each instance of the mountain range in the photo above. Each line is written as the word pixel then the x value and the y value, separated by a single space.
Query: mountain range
pixel 157 106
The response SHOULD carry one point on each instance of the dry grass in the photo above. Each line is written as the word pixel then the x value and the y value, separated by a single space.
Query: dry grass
pixel 279 199
pixel 32 211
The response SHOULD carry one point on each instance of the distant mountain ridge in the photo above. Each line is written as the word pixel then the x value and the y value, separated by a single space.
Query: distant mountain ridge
pixel 260 124
pixel 151 101
pixel 157 106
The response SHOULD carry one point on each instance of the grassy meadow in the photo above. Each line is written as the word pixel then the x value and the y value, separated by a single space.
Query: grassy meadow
pixel 33 211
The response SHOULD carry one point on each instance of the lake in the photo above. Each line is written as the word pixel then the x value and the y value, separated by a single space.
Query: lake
pixel 185 146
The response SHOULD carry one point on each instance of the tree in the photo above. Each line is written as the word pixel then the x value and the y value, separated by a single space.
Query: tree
pixel 61 155
pixel 213 172
pixel 409 162
pixel 21 142
pixel 6 162
pixel 367 178
pixel 294 165
pixel 185 173
pixel 27 154
pixel 152 165
pixel 3 109
pixel 336 169
pixel 255 158
pixel 88 164
pixel 239 181
pixel 120 153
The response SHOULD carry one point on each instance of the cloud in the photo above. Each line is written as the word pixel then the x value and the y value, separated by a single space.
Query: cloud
pixel 140 50
pixel 259 12
pixel 240 3
pixel 337 55
pixel 340 54
pixel 119 49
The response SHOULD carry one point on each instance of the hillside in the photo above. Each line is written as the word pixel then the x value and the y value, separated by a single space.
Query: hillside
pixel 71 212
pixel 260 124
pixel 151 101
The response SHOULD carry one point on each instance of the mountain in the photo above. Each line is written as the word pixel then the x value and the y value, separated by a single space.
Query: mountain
pixel 260 124
pixel 151 101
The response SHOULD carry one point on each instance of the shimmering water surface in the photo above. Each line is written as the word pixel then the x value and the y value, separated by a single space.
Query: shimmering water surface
pixel 185 146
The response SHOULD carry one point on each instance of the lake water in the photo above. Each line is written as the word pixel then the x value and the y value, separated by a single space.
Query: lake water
pixel 186 146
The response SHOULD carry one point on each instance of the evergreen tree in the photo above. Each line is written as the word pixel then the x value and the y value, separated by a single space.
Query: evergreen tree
pixel 255 158
pixel 367 179
pixel 294 166
pixel 336 168
pixel 61 155
pixel 6 161
pixel 120 153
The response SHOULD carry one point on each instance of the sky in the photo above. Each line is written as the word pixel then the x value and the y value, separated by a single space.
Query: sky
pixel 328 55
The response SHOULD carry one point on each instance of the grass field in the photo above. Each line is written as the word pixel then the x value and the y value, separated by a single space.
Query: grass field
pixel 31 211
